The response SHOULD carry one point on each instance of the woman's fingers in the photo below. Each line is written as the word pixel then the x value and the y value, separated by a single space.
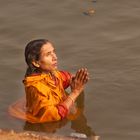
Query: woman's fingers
pixel 77 74
pixel 80 79
pixel 82 75
pixel 85 76
pixel 86 79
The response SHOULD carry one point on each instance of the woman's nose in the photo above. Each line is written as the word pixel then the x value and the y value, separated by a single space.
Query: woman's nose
pixel 54 56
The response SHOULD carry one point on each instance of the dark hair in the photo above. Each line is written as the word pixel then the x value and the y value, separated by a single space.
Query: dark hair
pixel 32 53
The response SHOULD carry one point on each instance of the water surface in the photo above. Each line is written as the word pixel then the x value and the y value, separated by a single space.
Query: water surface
pixel 107 43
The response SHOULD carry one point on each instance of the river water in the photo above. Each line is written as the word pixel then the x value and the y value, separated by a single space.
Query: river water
pixel 107 43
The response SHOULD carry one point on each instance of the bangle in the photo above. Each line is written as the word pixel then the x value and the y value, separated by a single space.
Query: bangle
pixel 71 99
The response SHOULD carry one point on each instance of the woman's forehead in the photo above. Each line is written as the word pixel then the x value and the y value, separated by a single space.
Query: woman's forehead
pixel 47 47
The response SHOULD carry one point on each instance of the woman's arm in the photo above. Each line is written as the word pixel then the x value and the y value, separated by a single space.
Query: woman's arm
pixel 77 86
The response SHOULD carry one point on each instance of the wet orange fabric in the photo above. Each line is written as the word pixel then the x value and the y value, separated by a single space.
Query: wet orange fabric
pixel 44 96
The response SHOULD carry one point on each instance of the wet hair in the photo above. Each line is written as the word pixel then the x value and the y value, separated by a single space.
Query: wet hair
pixel 32 53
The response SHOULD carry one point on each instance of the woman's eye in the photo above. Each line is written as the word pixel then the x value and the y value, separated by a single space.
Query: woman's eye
pixel 48 54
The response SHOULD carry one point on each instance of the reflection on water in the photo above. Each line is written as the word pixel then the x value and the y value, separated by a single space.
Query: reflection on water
pixel 79 125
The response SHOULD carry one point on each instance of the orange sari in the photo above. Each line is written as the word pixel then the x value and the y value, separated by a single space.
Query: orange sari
pixel 44 96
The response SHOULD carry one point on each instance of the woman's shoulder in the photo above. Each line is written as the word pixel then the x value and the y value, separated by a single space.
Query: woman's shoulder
pixel 36 81
pixel 36 85
pixel 65 74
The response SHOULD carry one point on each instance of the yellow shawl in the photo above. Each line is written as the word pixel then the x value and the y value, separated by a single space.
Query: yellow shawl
pixel 43 93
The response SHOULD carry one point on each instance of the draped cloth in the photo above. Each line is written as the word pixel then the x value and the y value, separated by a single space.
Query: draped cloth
pixel 45 94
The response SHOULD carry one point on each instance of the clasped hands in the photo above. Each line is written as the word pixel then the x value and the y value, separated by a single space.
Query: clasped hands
pixel 79 80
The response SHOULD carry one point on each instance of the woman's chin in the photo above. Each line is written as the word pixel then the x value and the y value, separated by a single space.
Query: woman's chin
pixel 54 68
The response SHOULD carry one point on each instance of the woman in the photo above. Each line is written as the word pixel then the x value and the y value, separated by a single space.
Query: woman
pixel 46 99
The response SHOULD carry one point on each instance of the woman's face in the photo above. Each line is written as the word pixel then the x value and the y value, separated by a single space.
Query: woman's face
pixel 48 58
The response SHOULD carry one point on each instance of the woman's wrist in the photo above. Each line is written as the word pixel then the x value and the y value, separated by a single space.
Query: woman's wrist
pixel 74 94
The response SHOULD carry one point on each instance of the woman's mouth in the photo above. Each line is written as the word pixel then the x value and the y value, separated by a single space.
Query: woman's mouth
pixel 55 64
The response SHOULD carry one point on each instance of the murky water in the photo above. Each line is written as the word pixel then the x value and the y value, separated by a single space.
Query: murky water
pixel 107 43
